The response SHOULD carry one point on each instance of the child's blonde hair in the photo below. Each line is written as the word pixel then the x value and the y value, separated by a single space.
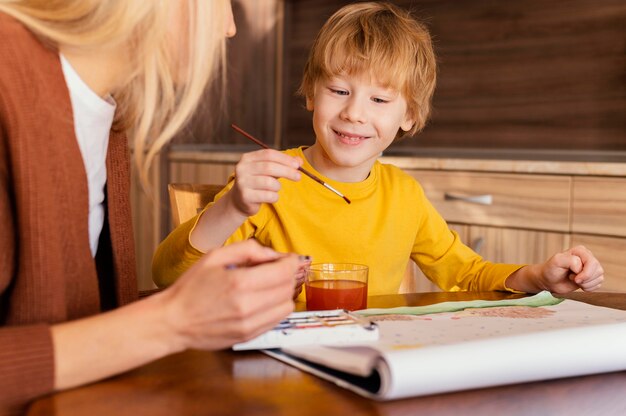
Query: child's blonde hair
pixel 382 40
pixel 152 105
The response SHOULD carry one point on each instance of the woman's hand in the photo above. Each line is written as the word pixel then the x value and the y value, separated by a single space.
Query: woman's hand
pixel 232 294
pixel 256 179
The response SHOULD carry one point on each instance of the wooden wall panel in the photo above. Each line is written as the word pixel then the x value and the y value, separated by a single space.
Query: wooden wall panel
pixel 529 74
pixel 251 80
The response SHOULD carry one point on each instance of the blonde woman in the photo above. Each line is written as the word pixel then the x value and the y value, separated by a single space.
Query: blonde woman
pixel 77 77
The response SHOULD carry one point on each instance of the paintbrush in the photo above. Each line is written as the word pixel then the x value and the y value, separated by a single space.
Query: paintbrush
pixel 306 172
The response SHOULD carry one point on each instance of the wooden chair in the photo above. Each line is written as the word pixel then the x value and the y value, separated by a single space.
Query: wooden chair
pixel 187 199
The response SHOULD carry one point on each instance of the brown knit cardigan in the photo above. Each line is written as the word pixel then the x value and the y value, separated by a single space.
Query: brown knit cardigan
pixel 47 272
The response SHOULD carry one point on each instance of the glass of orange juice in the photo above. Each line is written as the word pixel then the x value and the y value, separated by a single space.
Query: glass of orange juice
pixel 336 286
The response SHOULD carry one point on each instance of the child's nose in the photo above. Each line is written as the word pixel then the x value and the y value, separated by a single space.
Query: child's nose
pixel 354 112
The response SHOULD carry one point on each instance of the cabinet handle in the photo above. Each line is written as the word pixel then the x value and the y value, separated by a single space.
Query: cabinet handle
pixel 486 199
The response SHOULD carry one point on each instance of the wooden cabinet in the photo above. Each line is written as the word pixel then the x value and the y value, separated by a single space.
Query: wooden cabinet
pixel 599 223
pixel 526 218
pixel 611 251
pixel 506 218
pixel 499 245
pixel 508 245
pixel 599 206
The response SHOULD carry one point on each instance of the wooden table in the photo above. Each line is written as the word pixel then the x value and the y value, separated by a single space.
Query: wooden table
pixel 250 383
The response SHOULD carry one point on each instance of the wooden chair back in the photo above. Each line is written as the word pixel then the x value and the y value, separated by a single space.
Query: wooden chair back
pixel 188 199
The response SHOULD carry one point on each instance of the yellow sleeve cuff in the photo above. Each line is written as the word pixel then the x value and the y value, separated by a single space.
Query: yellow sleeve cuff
pixel 175 254
pixel 508 289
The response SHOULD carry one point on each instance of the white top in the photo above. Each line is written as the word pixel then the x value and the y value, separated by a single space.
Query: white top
pixel 93 118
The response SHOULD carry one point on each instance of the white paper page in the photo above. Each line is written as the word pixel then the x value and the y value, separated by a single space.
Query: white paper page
pixel 482 347
pixel 404 331
pixel 504 360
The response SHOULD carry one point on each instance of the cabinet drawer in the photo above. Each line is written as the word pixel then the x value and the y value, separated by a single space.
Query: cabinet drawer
pixel 506 245
pixel 599 206
pixel 610 251
pixel 540 202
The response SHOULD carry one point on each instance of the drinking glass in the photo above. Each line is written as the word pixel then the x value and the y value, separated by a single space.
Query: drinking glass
pixel 336 286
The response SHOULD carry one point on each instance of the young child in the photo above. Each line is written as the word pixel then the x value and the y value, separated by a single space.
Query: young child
pixel 369 80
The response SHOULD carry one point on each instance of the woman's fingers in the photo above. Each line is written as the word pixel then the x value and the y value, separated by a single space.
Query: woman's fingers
pixel 240 254
pixel 279 272
pixel 212 305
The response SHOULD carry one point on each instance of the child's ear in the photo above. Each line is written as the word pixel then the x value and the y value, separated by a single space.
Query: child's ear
pixel 309 103
pixel 407 122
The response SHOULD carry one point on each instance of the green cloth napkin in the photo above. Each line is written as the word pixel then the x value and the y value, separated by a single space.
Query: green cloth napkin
pixel 544 298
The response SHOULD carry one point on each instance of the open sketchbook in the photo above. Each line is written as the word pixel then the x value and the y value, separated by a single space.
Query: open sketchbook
pixel 425 350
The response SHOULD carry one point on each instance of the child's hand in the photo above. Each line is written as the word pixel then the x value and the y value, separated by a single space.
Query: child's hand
pixel 572 269
pixel 256 179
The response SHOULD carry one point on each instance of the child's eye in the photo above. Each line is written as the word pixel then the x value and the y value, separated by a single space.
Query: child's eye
pixel 379 100
pixel 338 92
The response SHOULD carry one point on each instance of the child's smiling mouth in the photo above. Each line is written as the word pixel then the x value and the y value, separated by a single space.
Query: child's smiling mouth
pixel 349 138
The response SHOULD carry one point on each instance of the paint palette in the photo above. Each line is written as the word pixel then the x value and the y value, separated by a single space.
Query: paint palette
pixel 333 327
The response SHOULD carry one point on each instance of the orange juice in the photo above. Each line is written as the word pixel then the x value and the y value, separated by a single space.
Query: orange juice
pixel 336 294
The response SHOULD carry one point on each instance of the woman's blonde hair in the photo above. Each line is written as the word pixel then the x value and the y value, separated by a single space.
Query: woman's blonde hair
pixel 152 104
pixel 381 40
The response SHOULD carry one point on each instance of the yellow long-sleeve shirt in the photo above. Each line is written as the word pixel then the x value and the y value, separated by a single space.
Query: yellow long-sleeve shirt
pixel 389 221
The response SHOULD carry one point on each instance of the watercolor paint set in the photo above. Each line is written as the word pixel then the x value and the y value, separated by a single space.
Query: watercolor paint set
pixel 331 327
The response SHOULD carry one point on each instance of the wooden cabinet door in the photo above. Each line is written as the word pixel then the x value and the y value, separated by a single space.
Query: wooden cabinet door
pixel 498 245
pixel 513 246
pixel 611 251
pixel 599 206
pixel 506 245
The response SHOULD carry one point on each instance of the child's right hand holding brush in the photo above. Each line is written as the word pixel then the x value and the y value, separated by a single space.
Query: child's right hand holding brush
pixel 256 182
